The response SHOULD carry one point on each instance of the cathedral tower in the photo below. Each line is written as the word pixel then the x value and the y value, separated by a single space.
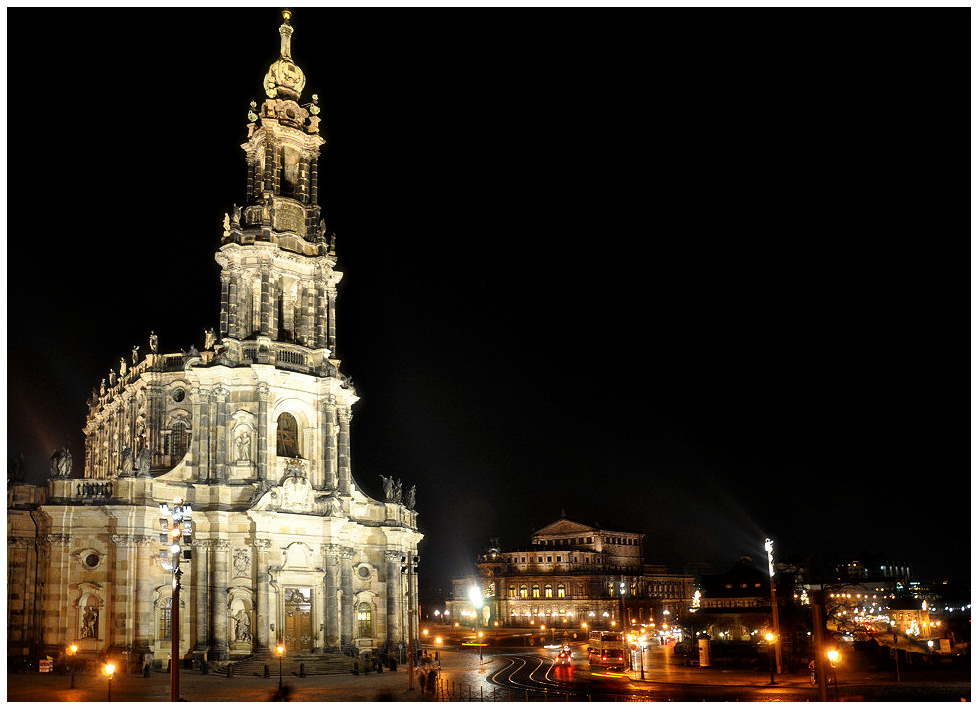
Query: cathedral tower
pixel 253 432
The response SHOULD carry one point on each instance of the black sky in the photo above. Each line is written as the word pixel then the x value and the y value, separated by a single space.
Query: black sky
pixel 683 272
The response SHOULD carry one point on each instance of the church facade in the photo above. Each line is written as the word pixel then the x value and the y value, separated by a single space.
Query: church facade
pixel 252 432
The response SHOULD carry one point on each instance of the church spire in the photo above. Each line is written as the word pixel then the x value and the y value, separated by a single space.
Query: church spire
pixel 278 282
pixel 284 78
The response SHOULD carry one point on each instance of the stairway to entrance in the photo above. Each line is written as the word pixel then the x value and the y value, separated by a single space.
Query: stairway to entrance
pixel 314 664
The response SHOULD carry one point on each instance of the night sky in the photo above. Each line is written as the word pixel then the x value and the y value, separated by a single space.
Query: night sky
pixel 688 273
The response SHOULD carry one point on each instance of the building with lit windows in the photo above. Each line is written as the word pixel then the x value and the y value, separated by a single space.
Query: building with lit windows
pixel 572 575
pixel 253 434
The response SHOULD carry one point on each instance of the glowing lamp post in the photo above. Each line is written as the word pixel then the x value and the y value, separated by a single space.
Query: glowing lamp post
pixel 476 598
pixel 833 656
pixel 409 567
pixel 641 643
pixel 770 652
pixel 109 671
pixel 177 523
pixel 72 649
pixel 281 651
pixel 769 548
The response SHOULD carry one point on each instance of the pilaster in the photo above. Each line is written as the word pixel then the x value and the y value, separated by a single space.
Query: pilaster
pixel 262 613
pixel 329 442
pixel 262 389
pixel 222 433
pixel 392 569
pixel 343 450
pixel 346 600
pixel 218 601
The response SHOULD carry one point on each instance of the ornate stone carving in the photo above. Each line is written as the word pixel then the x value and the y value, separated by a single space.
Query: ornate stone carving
pixel 297 493
pixel 61 463
pixel 241 560
pixel 289 217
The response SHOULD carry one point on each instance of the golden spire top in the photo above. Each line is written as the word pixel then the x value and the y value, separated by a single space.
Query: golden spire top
pixel 284 79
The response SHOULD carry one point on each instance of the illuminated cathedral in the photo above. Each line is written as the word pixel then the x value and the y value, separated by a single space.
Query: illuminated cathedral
pixel 252 433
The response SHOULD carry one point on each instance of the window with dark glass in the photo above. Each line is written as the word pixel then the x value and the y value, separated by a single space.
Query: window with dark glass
pixel 287 439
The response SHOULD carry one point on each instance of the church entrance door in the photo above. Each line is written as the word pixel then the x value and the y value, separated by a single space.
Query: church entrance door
pixel 298 620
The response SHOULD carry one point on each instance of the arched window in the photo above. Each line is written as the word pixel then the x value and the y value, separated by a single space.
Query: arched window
pixel 287 440
pixel 548 591
pixel 165 619
pixel 560 590
pixel 512 591
pixel 364 621
pixel 523 590
pixel 536 591
pixel 179 440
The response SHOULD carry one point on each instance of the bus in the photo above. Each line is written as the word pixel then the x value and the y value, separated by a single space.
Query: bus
pixel 606 649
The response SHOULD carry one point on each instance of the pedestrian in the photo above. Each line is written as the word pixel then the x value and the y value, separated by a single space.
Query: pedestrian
pixel 431 682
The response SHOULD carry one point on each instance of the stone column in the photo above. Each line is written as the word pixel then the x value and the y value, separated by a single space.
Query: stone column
pixel 331 336
pixel 262 431
pixel 154 400
pixel 302 186
pixel 221 434
pixel 331 591
pixel 275 296
pixel 343 450
pixel 269 176
pixel 393 571
pixel 219 600
pixel 266 302
pixel 145 583
pixel 225 299
pixel 233 303
pixel 329 442
pixel 346 587
pixel 123 604
pixel 198 592
pixel 308 316
pixel 196 452
pixel 320 317
pixel 314 180
pixel 262 615
pixel 204 433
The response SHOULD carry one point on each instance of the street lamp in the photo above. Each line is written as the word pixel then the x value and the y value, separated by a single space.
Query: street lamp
pixel 769 548
pixel 177 523
pixel 281 651
pixel 72 649
pixel 409 567
pixel 480 651
pixel 476 597
pixel 109 670
pixel 641 641
pixel 770 652
pixel 833 658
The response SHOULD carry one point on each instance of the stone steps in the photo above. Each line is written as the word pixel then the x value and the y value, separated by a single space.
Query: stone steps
pixel 314 664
